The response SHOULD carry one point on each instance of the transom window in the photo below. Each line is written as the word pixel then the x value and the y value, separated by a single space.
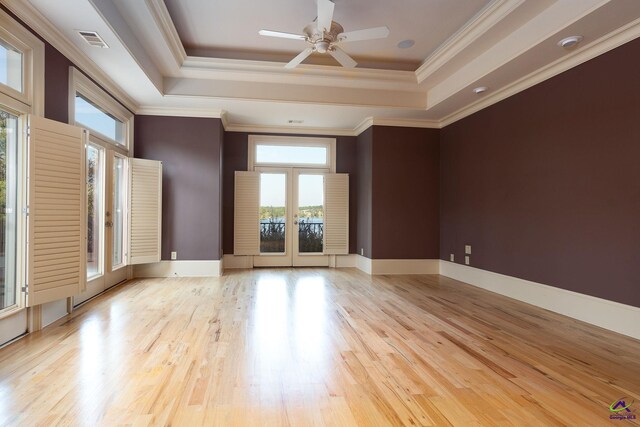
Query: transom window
pixel 10 66
pixel 291 151
pixel 109 123
pixel 94 118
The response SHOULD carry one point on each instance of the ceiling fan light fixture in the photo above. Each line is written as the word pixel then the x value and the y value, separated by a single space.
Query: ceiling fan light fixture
pixel 480 90
pixel 322 46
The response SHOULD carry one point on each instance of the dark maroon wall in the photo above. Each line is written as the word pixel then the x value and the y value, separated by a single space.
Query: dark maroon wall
pixel 56 84
pixel 235 158
pixel 545 185
pixel 191 151
pixel 365 191
pixel 406 183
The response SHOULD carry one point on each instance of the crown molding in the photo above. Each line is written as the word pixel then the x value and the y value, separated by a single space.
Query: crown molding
pixel 164 22
pixel 598 47
pixel 289 130
pixel 149 110
pixel 304 74
pixel 495 12
pixel 35 20
pixel 365 124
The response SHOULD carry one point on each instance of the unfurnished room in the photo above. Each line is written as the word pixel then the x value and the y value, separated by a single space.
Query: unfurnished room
pixel 319 213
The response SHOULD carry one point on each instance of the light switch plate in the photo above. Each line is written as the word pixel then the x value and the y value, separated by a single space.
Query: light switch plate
pixel 467 249
pixel 174 255
pixel 466 259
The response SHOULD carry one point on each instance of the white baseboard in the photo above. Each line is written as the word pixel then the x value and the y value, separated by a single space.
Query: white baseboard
pixel 206 268
pixel 363 264
pixel 241 261
pixel 53 311
pixel 397 266
pixel 614 316
pixel 237 261
pixel 346 261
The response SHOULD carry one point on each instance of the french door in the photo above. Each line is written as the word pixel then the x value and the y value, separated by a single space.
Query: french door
pixel 106 216
pixel 291 217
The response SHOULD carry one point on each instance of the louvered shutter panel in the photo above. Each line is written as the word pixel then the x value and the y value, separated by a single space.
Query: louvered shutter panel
pixel 145 213
pixel 57 221
pixel 336 214
pixel 246 233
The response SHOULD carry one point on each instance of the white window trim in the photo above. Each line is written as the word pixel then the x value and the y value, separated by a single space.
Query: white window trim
pixel 31 99
pixel 329 143
pixel 79 83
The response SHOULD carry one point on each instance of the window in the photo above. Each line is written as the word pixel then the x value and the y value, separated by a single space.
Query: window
pixel 21 93
pixel 92 117
pixel 21 68
pixel 95 185
pixel 8 207
pixel 291 152
pixel 10 66
pixel 92 108
pixel 119 210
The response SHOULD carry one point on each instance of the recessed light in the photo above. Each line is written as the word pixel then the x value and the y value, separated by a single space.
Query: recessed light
pixel 570 42
pixel 480 89
pixel 406 44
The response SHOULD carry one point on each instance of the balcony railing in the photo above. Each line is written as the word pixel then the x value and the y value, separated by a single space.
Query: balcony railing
pixel 272 236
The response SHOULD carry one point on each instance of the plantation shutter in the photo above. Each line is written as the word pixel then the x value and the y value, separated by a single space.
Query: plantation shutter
pixel 145 213
pixel 336 214
pixel 246 232
pixel 57 215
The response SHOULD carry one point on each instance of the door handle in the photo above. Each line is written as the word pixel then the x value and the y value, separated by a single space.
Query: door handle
pixel 108 224
pixel 295 222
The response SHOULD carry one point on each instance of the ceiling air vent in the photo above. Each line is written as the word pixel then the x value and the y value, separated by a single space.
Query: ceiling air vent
pixel 93 39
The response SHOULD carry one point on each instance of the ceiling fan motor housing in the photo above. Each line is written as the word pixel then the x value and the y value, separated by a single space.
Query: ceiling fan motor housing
pixel 322 40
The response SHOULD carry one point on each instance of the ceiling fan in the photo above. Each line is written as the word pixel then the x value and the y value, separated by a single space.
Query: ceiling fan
pixel 324 35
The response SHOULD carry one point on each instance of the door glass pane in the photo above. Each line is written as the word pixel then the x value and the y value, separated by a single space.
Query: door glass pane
pixel 91 116
pixel 291 154
pixel 8 207
pixel 117 217
pixel 273 196
pixel 10 67
pixel 94 210
pixel 311 213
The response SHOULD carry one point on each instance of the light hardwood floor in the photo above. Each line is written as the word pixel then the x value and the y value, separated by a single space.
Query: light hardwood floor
pixel 315 347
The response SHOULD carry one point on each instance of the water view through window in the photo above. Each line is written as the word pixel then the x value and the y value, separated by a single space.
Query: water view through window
pixel 310 213
pixel 273 195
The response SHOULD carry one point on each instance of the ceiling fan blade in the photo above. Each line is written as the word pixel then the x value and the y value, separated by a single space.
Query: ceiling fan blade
pixel 298 59
pixel 325 14
pixel 342 57
pixel 368 34
pixel 280 34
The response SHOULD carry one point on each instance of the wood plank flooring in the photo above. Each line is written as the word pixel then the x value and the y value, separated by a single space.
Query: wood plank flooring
pixel 315 347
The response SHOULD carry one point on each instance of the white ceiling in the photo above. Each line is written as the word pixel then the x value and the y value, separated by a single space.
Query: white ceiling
pixel 229 28
pixel 204 58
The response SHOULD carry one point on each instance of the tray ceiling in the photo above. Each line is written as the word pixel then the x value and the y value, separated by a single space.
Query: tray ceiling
pixel 205 58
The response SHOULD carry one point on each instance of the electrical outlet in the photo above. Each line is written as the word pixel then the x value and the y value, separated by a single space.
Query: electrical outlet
pixel 362 251
pixel 467 249
pixel 174 255
pixel 452 258
pixel 466 259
